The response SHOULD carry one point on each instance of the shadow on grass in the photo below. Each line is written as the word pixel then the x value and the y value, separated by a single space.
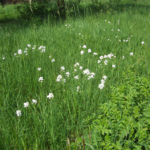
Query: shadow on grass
pixel 75 11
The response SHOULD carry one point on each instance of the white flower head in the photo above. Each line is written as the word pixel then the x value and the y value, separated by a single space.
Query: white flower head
pixel 101 86
pixel 102 81
pixel 84 46
pixel 105 62
pixel 62 68
pixel 95 54
pixel 3 57
pixel 86 71
pixel 19 51
pixel 28 45
pixel 89 50
pixel 91 75
pixel 50 96
pixel 67 74
pixel 131 53
pixel 113 66
pixel 80 67
pixel 110 55
pixel 26 104
pixel 39 68
pixel 41 79
pixel 99 61
pixel 105 56
pixel 34 101
pixel 142 42
pixel 76 64
pixel 101 57
pixel 59 77
pixel 82 52
pixel 104 77
pixel 75 70
pixel 123 57
pixel 78 88
pixel 53 60
pixel 18 113
pixel 76 77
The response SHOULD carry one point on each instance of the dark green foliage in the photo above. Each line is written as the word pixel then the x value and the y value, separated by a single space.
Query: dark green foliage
pixel 124 121
pixel 39 9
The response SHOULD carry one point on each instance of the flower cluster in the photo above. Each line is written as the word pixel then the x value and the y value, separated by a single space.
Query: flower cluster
pixel 102 84
pixel 25 105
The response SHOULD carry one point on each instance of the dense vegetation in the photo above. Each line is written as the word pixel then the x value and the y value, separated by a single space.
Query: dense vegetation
pixel 79 82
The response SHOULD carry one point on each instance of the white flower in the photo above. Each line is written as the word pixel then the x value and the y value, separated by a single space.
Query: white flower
pixel 110 55
pixel 26 104
pixel 106 62
pixel 118 30
pixel 50 96
pixel 3 57
pixel 62 68
pixel 43 50
pixel 101 86
pixel 105 56
pixel 142 42
pixel 75 70
pixel 67 74
pixel 95 54
pixel 19 51
pixel 53 60
pixel 50 56
pixel 113 66
pixel 18 113
pixel 41 79
pixel 89 50
pixel 28 45
pixel 92 75
pixel 82 52
pixel 59 77
pixel 104 77
pixel 123 57
pixel 101 57
pixel 102 81
pixel 84 46
pixel 131 53
pixel 15 54
pixel 80 67
pixel 86 71
pixel 78 88
pixel 25 51
pixel 39 69
pixel 64 80
pixel 76 64
pixel 76 77
pixel 34 101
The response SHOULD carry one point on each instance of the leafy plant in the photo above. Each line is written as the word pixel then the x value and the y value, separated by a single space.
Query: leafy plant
pixel 124 121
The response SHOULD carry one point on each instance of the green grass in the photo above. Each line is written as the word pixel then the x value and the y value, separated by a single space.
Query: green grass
pixel 49 123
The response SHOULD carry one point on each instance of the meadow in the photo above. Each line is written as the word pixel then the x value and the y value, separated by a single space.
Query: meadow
pixel 59 80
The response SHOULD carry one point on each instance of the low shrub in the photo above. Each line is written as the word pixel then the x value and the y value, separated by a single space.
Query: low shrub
pixel 124 121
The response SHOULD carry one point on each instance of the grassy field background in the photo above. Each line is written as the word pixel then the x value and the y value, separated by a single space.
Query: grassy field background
pixel 51 122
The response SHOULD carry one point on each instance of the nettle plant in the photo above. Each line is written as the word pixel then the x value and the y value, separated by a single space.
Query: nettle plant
pixel 124 121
